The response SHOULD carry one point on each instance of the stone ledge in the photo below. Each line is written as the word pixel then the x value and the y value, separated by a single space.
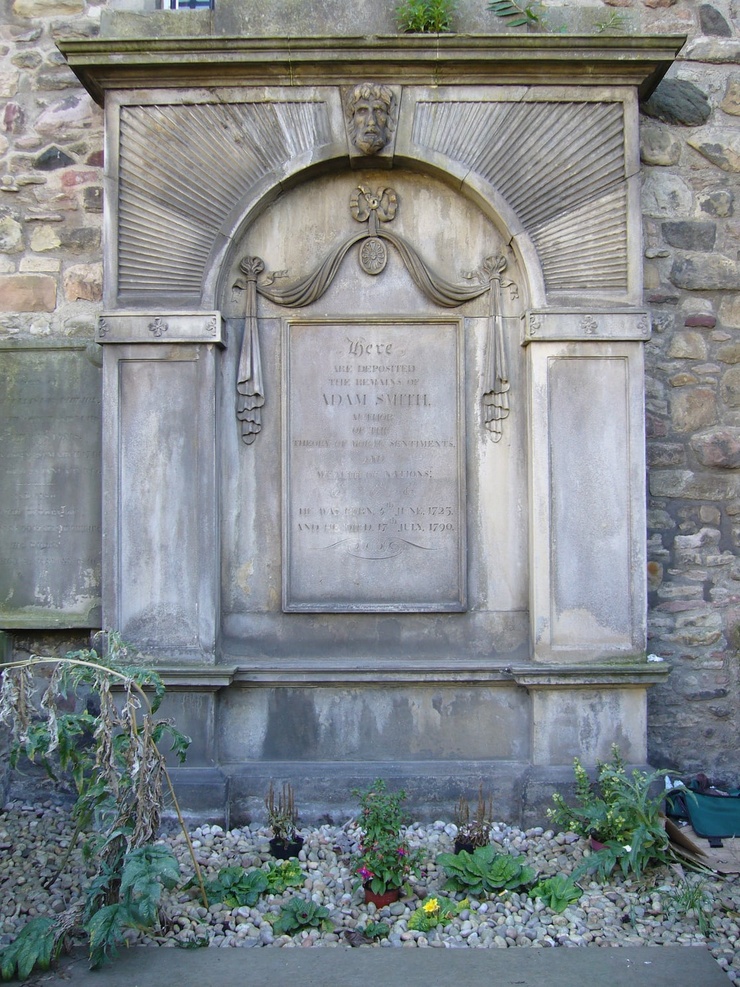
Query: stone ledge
pixel 102 64
pixel 298 671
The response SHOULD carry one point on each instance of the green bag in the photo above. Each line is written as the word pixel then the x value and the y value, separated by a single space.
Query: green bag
pixel 714 815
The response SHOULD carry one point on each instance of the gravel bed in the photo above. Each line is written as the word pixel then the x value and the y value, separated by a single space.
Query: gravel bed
pixel 33 839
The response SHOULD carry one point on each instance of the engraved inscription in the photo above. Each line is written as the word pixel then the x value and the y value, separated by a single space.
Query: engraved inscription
pixel 374 445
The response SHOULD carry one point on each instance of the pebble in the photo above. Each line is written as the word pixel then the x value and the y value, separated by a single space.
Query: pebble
pixel 626 911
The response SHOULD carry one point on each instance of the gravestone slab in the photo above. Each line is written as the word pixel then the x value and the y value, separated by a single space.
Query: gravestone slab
pixel 374 473
pixel 50 505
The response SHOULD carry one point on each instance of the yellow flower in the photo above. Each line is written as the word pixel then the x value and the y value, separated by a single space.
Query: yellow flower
pixel 431 907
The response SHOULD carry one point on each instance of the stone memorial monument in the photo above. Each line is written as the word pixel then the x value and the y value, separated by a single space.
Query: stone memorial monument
pixel 373 405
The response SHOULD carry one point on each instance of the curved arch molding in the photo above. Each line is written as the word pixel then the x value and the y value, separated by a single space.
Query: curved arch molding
pixel 184 168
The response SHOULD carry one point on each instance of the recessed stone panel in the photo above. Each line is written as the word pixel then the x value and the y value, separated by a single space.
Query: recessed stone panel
pixel 374 471
pixel 50 527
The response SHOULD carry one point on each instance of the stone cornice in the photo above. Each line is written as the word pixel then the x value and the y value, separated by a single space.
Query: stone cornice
pixel 140 63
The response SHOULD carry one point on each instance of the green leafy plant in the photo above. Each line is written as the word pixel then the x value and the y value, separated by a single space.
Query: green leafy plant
pixel 376 930
pixel 282 816
pixel 557 892
pixel 425 16
pixel 435 911
pixel 236 888
pixel 690 898
pixel 283 874
pixel 386 859
pixel 299 914
pixel 35 947
pixel 615 23
pixel 475 830
pixel 517 14
pixel 119 772
pixel 484 871
pixel 145 871
pixel 621 811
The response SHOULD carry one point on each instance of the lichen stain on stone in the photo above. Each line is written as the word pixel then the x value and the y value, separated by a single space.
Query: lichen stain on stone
pixel 243 576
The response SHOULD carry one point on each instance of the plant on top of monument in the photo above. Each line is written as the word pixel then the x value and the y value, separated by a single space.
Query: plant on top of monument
pixel 621 811
pixel 519 14
pixel 475 831
pixel 615 23
pixel 425 16
pixel 120 776
pixel 386 860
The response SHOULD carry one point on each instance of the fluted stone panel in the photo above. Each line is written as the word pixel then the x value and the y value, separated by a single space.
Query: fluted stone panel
pixel 183 168
pixel 560 166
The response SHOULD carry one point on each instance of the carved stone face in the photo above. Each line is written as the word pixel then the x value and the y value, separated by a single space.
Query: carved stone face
pixel 369 109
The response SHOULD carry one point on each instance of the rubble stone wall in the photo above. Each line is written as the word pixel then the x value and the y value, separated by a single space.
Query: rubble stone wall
pixel 51 164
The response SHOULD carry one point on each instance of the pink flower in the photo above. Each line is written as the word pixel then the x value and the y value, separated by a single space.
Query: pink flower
pixel 365 873
pixel 402 851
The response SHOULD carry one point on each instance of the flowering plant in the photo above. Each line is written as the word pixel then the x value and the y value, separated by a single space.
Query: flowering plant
pixel 386 860
pixel 434 911
pixel 620 810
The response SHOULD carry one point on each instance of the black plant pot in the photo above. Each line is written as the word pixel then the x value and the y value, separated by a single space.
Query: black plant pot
pixel 463 844
pixel 285 849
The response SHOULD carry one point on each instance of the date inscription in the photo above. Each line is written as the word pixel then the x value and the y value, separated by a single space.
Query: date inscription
pixel 374 448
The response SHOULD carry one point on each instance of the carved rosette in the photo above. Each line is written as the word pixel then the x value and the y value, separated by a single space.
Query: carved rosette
pixel 158 327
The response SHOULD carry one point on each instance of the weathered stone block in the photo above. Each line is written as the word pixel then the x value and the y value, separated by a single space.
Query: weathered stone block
pixel 700 321
pixel 693 408
pixel 729 354
pixel 677 100
pixel 731 103
pixel 718 202
pixel 92 198
pixel 83 240
pixel 705 272
pixel 67 118
pixel 48 8
pixel 718 447
pixel 658 146
pixel 729 312
pixel 11 236
pixel 712 22
pixel 84 282
pixel 661 454
pixel 688 346
pixel 9 83
pixel 27 293
pixel 690 235
pixel 665 194
pixel 44 238
pixel 721 147
pixel 730 387
pixel 51 159
pixel 693 486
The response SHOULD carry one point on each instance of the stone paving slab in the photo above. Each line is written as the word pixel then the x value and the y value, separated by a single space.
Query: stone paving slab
pixel 640 966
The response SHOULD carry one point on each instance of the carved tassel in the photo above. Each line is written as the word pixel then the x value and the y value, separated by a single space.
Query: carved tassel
pixel 250 390
pixel 496 382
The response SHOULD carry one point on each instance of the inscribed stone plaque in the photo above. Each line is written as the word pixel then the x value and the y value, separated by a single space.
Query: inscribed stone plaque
pixel 374 466
pixel 50 531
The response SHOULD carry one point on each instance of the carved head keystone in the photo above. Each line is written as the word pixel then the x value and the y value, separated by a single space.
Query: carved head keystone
pixel 370 116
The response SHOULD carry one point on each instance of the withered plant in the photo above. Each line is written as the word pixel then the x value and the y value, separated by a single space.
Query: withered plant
pixel 121 779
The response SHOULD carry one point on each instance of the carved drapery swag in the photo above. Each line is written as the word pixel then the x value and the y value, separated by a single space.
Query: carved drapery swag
pixel 372 208
pixel 249 386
